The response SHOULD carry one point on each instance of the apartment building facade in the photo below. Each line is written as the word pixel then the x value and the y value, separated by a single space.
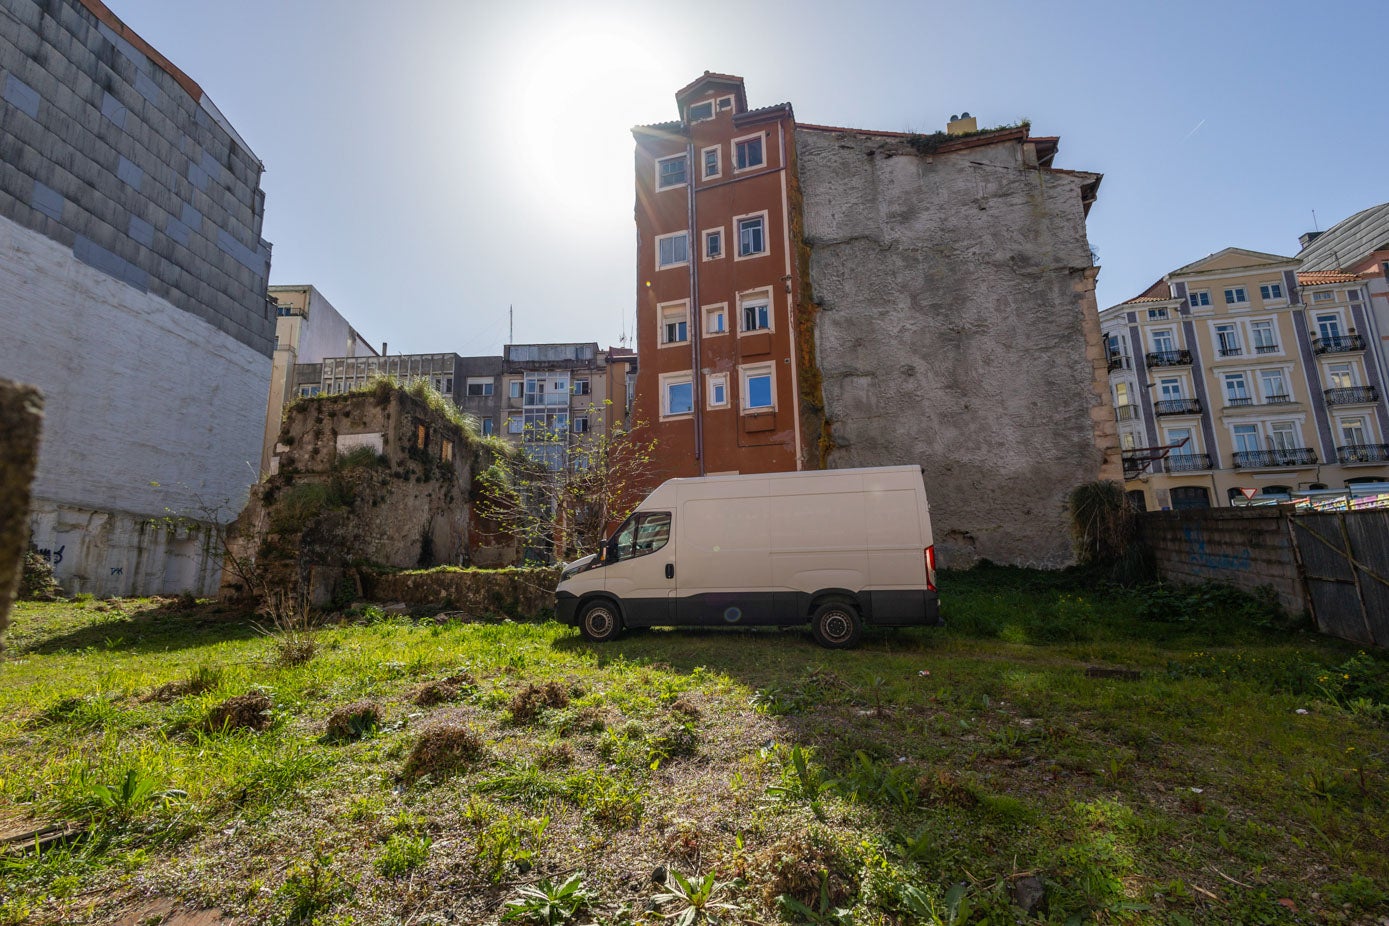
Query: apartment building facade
pixel 308 330
pixel 1358 244
pixel 1239 375
pixel 811 296
pixel 133 293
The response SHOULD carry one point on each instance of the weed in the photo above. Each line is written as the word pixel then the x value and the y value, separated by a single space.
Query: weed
pixel 694 898
pixel 527 704
pixel 879 782
pixel 291 627
pixel 204 678
pixel 401 854
pixel 352 722
pixel 310 888
pixel 444 690
pixel 548 903
pixel 509 840
pixel 441 751
pixel 801 779
pixel 250 711
pixel 926 908
pixel 809 867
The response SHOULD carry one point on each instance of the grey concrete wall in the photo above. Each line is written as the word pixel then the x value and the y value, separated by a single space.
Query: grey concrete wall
pixel 104 151
pixel 1248 548
pixel 21 414
pixel 957 330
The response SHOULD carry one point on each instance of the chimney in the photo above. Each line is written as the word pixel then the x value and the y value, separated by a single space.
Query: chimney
pixel 383 348
pixel 962 124
pixel 1307 238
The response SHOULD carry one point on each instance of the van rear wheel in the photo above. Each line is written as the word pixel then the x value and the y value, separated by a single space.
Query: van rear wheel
pixel 836 625
pixel 599 621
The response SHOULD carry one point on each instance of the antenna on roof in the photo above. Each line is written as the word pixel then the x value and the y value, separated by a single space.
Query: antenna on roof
pixel 1315 226
pixel 510 324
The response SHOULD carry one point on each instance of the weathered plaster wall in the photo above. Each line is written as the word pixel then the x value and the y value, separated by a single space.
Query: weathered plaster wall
pixel 21 414
pixel 1249 548
pixel 954 330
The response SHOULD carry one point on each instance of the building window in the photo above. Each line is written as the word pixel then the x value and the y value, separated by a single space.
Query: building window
pixel 514 388
pixel 672 250
pixel 713 244
pixel 1154 314
pixel 306 391
pixel 757 387
pixel 1265 342
pixel 1274 387
pixel 716 319
pixel 421 436
pixel 718 390
pixel 670 172
pixel 1236 389
pixel 581 424
pixel 1198 298
pixel 1329 326
pixel 581 387
pixel 1163 341
pixel 725 103
pixel 747 153
pixel 1246 438
pixel 1322 297
pixel 1340 376
pixel 1284 436
pixel 1236 295
pixel 752 236
pixel 1353 431
pixel 757 314
pixel 1227 340
pixel 675 320
pixel 514 424
pixel 712 159
pixel 487 427
pixel 1170 389
pixel 699 112
pixel 1270 291
pixel 446 450
pixel 478 386
pixel 677 394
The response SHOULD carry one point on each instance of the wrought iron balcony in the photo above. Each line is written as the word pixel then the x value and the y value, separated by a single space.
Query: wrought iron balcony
pixel 1266 348
pixel 1177 406
pixel 1278 400
pixel 1339 344
pixel 1126 412
pixel 1169 358
pixel 1188 462
pixel 1363 453
pixel 1351 395
pixel 1293 456
pixel 1119 362
pixel 1231 351
pixel 1243 401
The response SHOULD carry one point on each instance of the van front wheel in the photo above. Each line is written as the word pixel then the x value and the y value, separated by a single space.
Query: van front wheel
pixel 599 622
pixel 836 625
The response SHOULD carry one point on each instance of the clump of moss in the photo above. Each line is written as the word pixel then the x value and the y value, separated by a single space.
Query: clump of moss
pixel 441 751
pixel 527 703
pixel 352 722
pixel 250 711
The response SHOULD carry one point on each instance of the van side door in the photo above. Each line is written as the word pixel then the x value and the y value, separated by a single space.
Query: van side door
pixel 641 568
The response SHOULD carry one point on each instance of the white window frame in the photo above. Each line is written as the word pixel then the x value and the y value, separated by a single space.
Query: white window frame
pixel 754 297
pixel 660 186
pixel 719 104
pixel 1169 436
pixel 1323 297
pixel 515 424
pixel 684 377
pixel 761 137
pixel 574 386
pixel 1265 376
pixel 1333 369
pixel 580 424
pixel 704 237
pixel 1240 292
pixel 711 311
pixel 1153 340
pixel 1265 291
pixel 1159 314
pixel 1291 428
pixel 1271 327
pixel 488 384
pixel 745 375
pixel 762 220
pixel 1165 391
pixel 1235 346
pixel 1198 298
pixel 1237 429
pixel 1366 432
pixel 1232 383
pixel 690 118
pixel 516 388
pixel 704 162
pixel 673 312
pixel 682 235
pixel 1336 319
pixel 713 383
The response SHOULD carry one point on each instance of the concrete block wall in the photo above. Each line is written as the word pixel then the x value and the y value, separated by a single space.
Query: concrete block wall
pixel 105 151
pixel 1249 548
pixel 956 330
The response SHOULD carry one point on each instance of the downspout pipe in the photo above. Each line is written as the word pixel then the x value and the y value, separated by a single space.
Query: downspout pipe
pixel 693 321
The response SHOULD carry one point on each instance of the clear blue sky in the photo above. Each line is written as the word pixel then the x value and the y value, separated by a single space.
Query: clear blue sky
pixel 430 162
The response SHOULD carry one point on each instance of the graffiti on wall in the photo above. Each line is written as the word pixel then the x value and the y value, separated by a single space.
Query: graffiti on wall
pixel 1199 556
pixel 54 557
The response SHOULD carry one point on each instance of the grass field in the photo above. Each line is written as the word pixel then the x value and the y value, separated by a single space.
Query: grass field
pixel 1236 775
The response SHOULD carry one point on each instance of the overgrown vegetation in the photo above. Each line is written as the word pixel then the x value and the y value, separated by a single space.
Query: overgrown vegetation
pixel 1236 774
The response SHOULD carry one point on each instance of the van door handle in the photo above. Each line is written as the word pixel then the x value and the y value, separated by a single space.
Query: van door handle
pixel 670 570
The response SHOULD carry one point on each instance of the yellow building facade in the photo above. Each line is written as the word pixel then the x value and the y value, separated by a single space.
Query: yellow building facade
pixel 1237 375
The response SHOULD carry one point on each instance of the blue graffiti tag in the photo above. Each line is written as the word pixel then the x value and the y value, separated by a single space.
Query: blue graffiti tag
pixel 1197 555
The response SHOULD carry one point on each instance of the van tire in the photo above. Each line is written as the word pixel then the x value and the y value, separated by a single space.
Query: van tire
pixel 599 621
pixel 836 624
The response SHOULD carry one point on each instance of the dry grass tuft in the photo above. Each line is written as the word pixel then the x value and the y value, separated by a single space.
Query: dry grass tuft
pixel 555 755
pixel 203 679
pixel 808 866
pixel 352 722
pixel 444 690
pixel 942 788
pixel 587 719
pixel 686 708
pixel 442 750
pixel 250 711
pixel 527 703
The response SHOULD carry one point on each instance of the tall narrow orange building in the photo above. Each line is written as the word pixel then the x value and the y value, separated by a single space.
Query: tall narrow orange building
pixel 716 287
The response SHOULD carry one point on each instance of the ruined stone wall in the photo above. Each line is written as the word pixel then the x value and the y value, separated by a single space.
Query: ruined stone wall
pixel 21 413
pixel 519 593
pixel 951 330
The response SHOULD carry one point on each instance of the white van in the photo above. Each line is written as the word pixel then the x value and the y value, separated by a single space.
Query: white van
pixel 835 548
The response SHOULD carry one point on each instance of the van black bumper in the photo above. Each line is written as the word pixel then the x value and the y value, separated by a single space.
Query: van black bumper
pixel 567 608
pixel 907 608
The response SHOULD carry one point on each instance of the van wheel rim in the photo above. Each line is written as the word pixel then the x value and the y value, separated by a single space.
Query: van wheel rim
pixel 599 621
pixel 837 626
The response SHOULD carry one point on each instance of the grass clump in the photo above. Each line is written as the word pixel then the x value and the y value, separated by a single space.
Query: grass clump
pixel 352 722
pixel 444 690
pixel 203 679
pixel 441 751
pixel 250 711
pixel 528 703
pixel 402 854
pixel 809 867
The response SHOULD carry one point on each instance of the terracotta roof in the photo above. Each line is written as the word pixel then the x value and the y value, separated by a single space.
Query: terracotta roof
pixel 1319 277
pixel 1158 292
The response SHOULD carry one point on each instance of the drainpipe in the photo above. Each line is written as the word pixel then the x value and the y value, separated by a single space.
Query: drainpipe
pixel 693 320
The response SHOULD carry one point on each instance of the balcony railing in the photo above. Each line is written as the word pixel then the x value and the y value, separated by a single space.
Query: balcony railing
pixel 1266 348
pixel 1188 462
pixel 1363 453
pixel 1177 406
pixel 1169 358
pixel 1293 456
pixel 1126 412
pixel 1119 362
pixel 1231 351
pixel 1351 395
pixel 1243 401
pixel 1339 344
pixel 1278 400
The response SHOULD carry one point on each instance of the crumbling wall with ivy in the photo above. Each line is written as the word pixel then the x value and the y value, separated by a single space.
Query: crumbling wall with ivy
pixel 376 478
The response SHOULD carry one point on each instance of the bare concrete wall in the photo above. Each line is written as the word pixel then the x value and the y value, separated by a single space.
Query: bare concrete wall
pixel 21 413
pixel 1248 548
pixel 956 315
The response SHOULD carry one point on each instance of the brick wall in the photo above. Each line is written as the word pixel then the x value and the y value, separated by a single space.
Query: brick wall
pixel 1248 548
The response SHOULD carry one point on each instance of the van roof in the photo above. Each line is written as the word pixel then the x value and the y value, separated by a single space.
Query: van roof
pixel 800 474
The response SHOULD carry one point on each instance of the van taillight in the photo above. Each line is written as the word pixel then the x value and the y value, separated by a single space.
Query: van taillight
pixel 931 568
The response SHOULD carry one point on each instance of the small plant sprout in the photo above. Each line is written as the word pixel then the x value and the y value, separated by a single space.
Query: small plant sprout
pixel 694 897
pixel 548 903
